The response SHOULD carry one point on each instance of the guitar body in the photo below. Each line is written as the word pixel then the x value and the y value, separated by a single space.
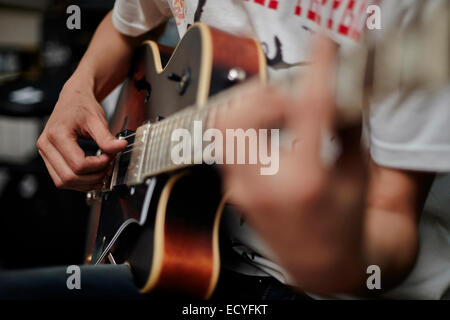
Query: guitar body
pixel 166 228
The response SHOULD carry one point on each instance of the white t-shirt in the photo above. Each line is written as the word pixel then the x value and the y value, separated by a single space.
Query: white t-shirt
pixel 414 137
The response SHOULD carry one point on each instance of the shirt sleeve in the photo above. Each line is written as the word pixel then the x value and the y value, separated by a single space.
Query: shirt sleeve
pixel 135 17
pixel 411 132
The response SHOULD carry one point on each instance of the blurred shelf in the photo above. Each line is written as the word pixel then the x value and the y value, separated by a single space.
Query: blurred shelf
pixel 26 4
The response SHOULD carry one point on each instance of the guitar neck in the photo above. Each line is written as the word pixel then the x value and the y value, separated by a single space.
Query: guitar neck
pixel 153 145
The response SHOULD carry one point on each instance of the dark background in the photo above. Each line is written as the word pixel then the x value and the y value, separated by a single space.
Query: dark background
pixel 39 225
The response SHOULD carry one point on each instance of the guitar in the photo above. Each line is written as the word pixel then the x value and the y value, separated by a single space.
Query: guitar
pixel 162 219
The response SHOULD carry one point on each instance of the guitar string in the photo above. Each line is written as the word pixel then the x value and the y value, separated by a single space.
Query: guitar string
pixel 130 135
pixel 131 145
pixel 159 123
pixel 157 140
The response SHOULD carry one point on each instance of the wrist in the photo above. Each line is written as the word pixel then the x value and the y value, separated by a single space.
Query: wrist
pixel 81 81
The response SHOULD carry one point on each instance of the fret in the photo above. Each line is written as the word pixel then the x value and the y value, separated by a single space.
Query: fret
pixel 149 149
pixel 192 118
pixel 190 128
pixel 154 148
pixel 176 123
pixel 161 146
pixel 168 159
pixel 169 144
pixel 162 142
pixel 162 157
pixel 200 116
pixel 170 127
pixel 157 147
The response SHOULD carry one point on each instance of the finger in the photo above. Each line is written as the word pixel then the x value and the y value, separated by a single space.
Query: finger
pixel 97 128
pixel 59 183
pixel 66 144
pixel 68 178
pixel 315 96
pixel 313 115
pixel 321 77
pixel 56 179
pixel 258 106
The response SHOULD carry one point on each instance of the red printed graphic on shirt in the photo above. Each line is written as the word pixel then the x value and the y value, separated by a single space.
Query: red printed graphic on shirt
pixel 315 7
pixel 349 22
pixel 271 4
pixel 179 11
pixel 344 18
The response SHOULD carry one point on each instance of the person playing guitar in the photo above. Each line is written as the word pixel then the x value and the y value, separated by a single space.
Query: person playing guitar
pixel 310 226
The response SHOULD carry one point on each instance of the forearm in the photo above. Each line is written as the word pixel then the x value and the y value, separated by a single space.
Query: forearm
pixel 394 204
pixel 389 233
pixel 106 61
pixel 338 260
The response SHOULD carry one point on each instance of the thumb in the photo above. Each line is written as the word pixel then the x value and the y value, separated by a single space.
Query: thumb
pixel 99 131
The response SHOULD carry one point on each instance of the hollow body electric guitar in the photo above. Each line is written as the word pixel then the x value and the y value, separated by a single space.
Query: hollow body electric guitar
pixel 161 218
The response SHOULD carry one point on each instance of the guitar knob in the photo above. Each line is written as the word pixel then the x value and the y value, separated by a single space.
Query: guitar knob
pixel 174 77
pixel 90 198
pixel 183 80
pixel 142 84
pixel 236 75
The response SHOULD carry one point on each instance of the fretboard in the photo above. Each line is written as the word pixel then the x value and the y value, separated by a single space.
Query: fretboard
pixel 151 150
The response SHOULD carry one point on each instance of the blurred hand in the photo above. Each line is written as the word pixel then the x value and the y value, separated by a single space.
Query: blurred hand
pixel 77 114
pixel 308 212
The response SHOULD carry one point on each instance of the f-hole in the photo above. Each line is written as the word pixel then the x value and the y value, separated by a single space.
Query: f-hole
pixel 142 84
